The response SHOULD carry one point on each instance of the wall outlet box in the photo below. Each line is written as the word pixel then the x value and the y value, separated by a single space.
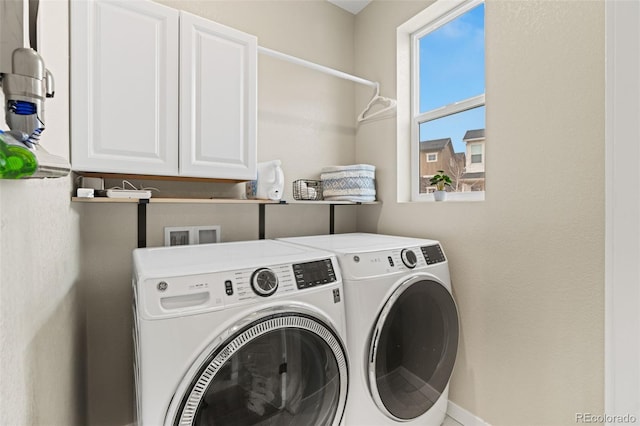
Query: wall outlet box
pixel 186 235
pixel 91 182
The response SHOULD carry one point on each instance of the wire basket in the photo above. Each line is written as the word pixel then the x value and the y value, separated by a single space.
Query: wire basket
pixel 306 189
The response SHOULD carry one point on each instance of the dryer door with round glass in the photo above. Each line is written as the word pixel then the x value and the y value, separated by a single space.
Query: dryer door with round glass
pixel 286 368
pixel 413 348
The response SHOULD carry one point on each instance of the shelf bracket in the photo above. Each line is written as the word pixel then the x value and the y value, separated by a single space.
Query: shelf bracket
pixel 142 222
pixel 332 216
pixel 332 219
pixel 261 225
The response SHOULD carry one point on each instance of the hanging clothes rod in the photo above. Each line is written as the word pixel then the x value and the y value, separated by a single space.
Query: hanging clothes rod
pixel 317 67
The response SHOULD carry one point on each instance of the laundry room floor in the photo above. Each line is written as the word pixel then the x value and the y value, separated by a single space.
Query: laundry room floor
pixel 448 421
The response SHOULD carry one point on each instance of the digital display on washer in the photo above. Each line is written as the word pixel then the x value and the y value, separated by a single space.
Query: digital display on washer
pixel 311 274
pixel 433 254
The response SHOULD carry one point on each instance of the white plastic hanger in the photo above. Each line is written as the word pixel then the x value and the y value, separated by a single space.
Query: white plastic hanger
pixel 388 105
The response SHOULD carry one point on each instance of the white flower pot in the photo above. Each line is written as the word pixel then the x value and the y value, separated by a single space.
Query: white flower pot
pixel 440 195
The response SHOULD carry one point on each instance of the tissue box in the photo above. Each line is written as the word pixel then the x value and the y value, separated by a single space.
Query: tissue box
pixel 356 182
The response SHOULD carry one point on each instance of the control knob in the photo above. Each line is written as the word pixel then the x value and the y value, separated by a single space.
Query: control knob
pixel 409 258
pixel 264 282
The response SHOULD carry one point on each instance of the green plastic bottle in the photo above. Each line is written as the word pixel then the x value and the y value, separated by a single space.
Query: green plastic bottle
pixel 16 161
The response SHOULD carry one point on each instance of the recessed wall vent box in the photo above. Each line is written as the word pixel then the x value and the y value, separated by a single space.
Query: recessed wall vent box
pixel 89 182
pixel 185 235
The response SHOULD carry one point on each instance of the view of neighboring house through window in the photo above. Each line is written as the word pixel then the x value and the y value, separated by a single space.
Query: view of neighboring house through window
pixel 448 105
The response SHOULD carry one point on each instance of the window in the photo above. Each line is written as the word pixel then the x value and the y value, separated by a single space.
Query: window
pixel 432 158
pixel 476 153
pixel 447 92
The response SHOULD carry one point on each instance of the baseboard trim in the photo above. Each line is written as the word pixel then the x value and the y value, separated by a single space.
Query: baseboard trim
pixel 463 416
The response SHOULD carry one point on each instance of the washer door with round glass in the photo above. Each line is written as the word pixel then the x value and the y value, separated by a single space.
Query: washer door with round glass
pixel 284 369
pixel 413 348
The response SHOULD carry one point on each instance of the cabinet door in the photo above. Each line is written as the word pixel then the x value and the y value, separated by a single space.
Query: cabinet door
pixel 218 91
pixel 124 87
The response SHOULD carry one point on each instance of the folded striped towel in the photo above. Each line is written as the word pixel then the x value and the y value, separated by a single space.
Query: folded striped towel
pixel 349 183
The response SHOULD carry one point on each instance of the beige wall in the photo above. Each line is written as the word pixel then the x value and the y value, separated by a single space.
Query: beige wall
pixel 41 312
pixel 527 263
pixel 305 118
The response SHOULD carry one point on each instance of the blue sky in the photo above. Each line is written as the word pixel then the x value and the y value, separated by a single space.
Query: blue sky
pixel 452 69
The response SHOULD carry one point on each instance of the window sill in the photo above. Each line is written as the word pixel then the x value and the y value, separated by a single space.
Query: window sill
pixel 455 197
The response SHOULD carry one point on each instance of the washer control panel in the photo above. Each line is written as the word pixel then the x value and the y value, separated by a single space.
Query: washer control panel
pixel 173 296
pixel 311 274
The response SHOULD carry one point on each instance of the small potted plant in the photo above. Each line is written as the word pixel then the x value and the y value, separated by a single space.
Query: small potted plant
pixel 440 180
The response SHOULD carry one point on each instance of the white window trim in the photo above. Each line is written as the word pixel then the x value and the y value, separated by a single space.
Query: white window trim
pixel 433 16
pixel 435 160
pixel 450 109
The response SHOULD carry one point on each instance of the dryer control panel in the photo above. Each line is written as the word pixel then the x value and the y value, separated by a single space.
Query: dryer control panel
pixel 376 263
pixel 433 254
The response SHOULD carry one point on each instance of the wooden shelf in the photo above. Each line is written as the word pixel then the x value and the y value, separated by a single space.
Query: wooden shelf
pixel 142 208
pixel 172 200
pixel 334 203
pixel 159 200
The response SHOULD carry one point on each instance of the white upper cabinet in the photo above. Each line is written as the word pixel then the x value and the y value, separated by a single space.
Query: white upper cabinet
pixel 156 91
pixel 217 99
pixel 124 87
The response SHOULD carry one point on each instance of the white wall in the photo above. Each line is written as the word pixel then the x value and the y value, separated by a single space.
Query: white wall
pixel 622 344
pixel 305 118
pixel 41 316
pixel 527 264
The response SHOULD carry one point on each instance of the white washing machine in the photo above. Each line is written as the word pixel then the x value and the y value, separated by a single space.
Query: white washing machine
pixel 402 324
pixel 247 333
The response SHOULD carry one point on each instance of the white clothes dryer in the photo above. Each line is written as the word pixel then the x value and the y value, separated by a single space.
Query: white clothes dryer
pixel 247 333
pixel 402 324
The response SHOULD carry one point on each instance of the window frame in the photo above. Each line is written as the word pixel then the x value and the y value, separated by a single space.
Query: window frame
pixel 432 18
pixel 435 158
